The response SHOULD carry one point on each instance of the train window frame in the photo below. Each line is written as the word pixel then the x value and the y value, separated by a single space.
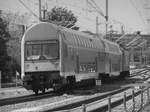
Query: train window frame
pixel 31 51
pixel 57 45
pixel 39 42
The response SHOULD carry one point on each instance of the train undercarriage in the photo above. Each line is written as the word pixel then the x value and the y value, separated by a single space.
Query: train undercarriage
pixel 41 81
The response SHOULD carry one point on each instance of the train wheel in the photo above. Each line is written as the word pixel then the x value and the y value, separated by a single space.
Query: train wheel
pixel 43 91
pixel 36 91
pixel 57 87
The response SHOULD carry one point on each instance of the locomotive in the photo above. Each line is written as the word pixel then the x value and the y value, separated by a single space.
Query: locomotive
pixel 53 56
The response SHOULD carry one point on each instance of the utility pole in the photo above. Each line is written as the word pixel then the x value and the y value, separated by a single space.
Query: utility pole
pixel 40 10
pixel 106 17
pixel 147 12
pixel 44 10
pixel 97 30
pixel 44 14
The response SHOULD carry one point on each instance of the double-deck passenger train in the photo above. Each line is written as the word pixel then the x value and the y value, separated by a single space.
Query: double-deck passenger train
pixel 53 56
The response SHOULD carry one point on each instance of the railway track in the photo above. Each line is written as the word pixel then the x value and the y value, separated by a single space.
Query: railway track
pixel 88 101
pixel 139 75
pixel 100 105
pixel 139 72
pixel 78 105
pixel 15 100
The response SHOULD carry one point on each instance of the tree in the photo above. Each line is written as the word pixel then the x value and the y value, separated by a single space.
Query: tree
pixel 3 39
pixel 61 16
pixel 15 26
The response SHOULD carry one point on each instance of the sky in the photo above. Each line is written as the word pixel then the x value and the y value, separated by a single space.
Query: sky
pixel 127 13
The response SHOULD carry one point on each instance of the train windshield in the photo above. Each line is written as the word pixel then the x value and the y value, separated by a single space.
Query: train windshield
pixel 42 50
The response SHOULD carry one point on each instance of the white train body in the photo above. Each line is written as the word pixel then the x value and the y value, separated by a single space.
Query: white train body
pixel 53 55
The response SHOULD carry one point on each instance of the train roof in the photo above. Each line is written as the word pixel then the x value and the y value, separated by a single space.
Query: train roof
pixel 111 47
pixel 46 31
pixel 41 31
pixel 80 39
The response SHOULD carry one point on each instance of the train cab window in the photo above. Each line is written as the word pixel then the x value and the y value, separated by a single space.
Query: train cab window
pixel 33 52
pixel 36 50
pixel 41 50
pixel 50 50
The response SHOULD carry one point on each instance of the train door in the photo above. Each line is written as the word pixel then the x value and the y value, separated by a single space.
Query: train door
pixel 101 62
pixel 77 64
pixel 107 63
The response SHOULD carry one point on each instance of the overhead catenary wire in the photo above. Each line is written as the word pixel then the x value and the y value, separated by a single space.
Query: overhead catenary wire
pixel 88 19
pixel 28 9
pixel 96 8
pixel 140 15
pixel 100 10
pixel 68 4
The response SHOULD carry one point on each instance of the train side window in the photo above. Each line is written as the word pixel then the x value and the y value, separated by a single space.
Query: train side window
pixel 65 47
pixel 76 40
pixel 90 43
pixel 79 42
pixel 86 43
pixel 77 64
pixel 82 43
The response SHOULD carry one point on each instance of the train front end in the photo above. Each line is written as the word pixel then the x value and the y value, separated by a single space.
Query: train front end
pixel 40 57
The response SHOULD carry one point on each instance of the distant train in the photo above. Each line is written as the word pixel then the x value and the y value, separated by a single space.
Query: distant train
pixel 53 56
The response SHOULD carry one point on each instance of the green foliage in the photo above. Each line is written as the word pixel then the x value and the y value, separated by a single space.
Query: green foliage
pixel 11 31
pixel 61 16
pixel 3 39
